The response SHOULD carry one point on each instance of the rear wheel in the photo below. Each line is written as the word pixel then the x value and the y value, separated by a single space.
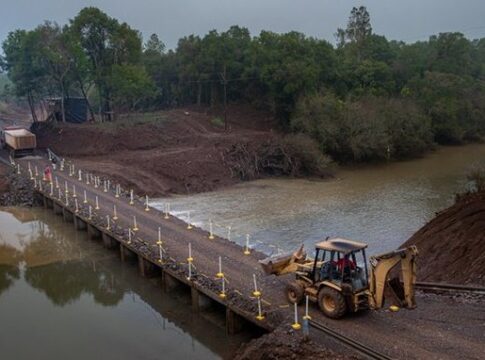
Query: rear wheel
pixel 332 303
pixel 295 292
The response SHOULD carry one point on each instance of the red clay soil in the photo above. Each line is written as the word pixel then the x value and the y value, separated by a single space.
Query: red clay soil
pixel 177 151
pixel 452 245
pixel 283 344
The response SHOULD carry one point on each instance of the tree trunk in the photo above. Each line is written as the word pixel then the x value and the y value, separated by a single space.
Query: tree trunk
pixel 83 91
pixel 30 100
pixel 63 109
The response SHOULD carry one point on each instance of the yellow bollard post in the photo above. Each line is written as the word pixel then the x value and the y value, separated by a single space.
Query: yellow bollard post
pixel 246 248
pixel 220 274
pixel 135 226
pixel 256 292
pixel 296 325
pixel 115 215
pixel 190 259
pixel 159 243
pixel 260 315
pixel 222 294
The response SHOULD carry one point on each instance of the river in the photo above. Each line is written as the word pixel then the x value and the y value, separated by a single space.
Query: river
pixel 382 205
pixel 63 296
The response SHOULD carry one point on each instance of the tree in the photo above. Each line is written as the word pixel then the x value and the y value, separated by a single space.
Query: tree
pixel 358 30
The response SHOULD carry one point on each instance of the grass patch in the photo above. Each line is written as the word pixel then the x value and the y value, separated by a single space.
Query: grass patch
pixel 217 121
pixel 124 121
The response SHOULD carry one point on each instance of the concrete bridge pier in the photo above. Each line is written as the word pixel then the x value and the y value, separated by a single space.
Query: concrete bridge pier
pixel 93 232
pixel 234 322
pixel 79 224
pixel 170 283
pixel 57 208
pixel 67 215
pixel 109 242
pixel 200 301
pixel 146 268
pixel 126 254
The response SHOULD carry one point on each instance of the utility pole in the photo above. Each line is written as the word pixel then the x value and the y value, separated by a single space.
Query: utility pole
pixel 224 82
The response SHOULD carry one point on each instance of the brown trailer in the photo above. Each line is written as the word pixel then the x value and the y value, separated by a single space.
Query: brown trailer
pixel 20 141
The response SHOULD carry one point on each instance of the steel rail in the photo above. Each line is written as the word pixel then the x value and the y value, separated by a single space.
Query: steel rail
pixel 432 286
pixel 356 345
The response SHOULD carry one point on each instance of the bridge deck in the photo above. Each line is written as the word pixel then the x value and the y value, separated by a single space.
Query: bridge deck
pixel 238 268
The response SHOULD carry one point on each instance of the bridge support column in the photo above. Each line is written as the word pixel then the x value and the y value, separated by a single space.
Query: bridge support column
pixel 234 322
pixel 199 300
pixel 67 215
pixel 57 208
pixel 169 282
pixel 49 203
pixel 147 269
pixel 109 242
pixel 93 232
pixel 79 224
pixel 126 254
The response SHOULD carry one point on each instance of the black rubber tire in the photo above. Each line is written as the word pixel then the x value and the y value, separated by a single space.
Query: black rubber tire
pixel 295 292
pixel 332 303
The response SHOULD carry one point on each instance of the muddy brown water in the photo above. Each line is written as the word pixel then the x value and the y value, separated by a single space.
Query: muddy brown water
pixel 382 205
pixel 63 296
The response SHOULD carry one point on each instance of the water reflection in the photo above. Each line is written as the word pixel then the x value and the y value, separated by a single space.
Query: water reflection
pixel 73 299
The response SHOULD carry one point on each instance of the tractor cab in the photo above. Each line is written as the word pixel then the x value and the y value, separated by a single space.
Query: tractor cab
pixel 340 262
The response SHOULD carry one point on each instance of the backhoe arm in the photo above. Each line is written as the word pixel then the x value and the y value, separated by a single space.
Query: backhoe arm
pixel 381 265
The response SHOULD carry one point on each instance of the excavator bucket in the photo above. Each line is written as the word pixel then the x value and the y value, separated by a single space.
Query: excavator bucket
pixel 284 263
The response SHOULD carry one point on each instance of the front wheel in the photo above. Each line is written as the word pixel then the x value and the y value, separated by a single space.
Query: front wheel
pixel 295 292
pixel 332 303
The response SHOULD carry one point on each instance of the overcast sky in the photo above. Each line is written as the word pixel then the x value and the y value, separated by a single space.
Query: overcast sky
pixel 408 20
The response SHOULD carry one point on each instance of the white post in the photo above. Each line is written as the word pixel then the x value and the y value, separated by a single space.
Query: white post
pixel 52 189
pixel 223 291
pixel 189 261
pixel 73 170
pixel 57 183
pixel 74 191
pixel 220 274
pixel 131 197
pixel 105 186
pixel 31 174
pixel 108 225
pixel 18 169
pixel 146 203
pixel 211 234
pixel 159 235
pixel 97 203
pixel 28 167
pixel 60 194
pixel 87 179
pixel 129 236
pixel 296 325
pixel 160 252
pixel 77 206
pixel 40 185
pixel 67 199
pixel 306 317
pixel 135 226
pixel 117 191
pixel 189 224
pixel 66 188
pixel 256 292
pixel 80 177
pixel 229 233
pixel 90 212
pixel 246 249
pixel 260 312
pixel 85 198
pixel 36 171
pixel 115 215
pixel 167 210
pixel 95 182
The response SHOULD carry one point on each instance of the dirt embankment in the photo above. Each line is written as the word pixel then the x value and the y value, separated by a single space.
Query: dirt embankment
pixel 452 245
pixel 283 344
pixel 178 151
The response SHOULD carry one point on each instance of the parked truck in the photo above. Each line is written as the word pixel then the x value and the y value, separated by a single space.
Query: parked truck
pixel 18 140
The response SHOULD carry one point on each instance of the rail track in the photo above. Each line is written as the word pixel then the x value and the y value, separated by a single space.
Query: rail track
pixel 357 346
pixel 450 288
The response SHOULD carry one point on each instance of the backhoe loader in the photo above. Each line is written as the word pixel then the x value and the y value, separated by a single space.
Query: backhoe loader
pixel 340 280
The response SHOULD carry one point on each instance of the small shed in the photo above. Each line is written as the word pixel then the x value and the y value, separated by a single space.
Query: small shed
pixel 76 109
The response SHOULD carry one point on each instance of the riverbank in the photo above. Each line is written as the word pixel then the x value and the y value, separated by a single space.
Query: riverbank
pixel 14 190
pixel 185 151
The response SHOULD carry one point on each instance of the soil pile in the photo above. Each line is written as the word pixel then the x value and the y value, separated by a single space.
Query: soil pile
pixel 178 151
pixel 14 190
pixel 452 245
pixel 283 344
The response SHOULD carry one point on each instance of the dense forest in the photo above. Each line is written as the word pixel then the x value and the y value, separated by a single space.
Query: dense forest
pixel 364 99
